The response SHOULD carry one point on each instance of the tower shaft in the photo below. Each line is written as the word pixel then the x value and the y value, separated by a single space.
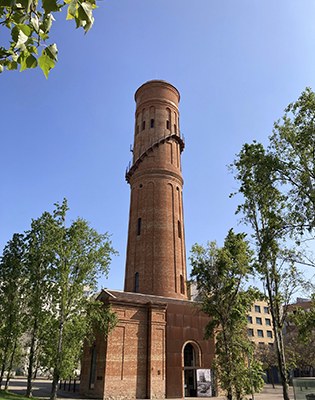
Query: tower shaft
pixel 156 257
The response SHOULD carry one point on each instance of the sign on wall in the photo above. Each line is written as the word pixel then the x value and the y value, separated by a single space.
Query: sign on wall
pixel 204 387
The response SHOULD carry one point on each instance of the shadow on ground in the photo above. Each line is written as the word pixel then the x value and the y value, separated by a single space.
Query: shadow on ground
pixel 42 388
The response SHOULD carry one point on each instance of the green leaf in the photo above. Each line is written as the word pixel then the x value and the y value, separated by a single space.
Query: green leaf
pixel 4 52
pixel 26 4
pixel 7 3
pixel 27 61
pixel 52 51
pixel 35 23
pixel 85 16
pixel 72 9
pixel 50 5
pixel 47 61
pixel 15 34
pixel 19 38
pixel 43 35
pixel 26 29
pixel 47 22
pixel 18 17
pixel 12 65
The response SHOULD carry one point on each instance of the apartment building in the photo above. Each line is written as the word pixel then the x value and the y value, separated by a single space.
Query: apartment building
pixel 259 327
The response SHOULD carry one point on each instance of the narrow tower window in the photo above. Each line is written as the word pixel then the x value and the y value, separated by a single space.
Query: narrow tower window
pixel 139 227
pixel 179 229
pixel 182 284
pixel 143 125
pixel 137 282
pixel 175 128
pixel 152 123
pixel 92 367
pixel 167 124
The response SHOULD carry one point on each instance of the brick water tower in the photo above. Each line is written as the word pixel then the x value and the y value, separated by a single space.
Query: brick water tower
pixel 157 349
pixel 156 259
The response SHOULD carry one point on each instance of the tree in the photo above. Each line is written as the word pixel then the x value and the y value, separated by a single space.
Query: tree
pixel 305 321
pixel 28 22
pixel 12 310
pixel 278 188
pixel 78 256
pixel 292 146
pixel 264 209
pixel 300 352
pixel 50 274
pixel 266 354
pixel 221 274
pixel 38 261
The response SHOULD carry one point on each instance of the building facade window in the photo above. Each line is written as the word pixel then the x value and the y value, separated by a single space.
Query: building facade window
pixel 250 332
pixel 258 321
pixel 152 123
pixel 257 308
pixel 269 334
pixel 167 124
pixel 268 321
pixel 266 310
pixel 249 319
pixel 260 333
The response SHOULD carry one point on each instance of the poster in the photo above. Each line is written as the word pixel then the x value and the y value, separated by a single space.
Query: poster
pixel 204 387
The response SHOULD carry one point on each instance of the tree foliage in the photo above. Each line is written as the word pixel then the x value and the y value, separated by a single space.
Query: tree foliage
pixel 304 320
pixel 61 265
pixel 221 274
pixel 38 258
pixel 12 309
pixel 27 25
pixel 292 146
pixel 278 200
pixel 300 352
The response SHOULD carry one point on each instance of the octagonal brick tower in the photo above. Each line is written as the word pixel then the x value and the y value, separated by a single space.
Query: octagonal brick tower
pixel 156 257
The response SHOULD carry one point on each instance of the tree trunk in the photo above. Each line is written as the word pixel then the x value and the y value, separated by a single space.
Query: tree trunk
pixel 282 365
pixel 275 313
pixel 271 377
pixel 31 360
pixel 54 386
pixel 4 362
pixel 56 376
pixel 10 366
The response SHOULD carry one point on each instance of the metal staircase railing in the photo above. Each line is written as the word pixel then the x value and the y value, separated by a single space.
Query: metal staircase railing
pixel 173 136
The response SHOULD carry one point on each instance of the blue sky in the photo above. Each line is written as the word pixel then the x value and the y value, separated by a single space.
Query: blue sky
pixel 237 65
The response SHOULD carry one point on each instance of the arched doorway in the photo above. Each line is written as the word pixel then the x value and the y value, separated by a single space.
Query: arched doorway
pixel 191 363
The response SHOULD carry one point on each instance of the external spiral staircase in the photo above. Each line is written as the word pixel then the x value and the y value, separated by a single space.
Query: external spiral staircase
pixel 130 170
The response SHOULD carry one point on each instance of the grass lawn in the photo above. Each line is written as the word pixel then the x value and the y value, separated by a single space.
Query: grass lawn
pixel 4 395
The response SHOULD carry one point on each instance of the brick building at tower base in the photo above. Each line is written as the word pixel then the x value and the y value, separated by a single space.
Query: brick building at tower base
pixel 155 350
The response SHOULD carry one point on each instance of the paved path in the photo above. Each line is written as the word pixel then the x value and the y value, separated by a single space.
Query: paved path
pixel 42 389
